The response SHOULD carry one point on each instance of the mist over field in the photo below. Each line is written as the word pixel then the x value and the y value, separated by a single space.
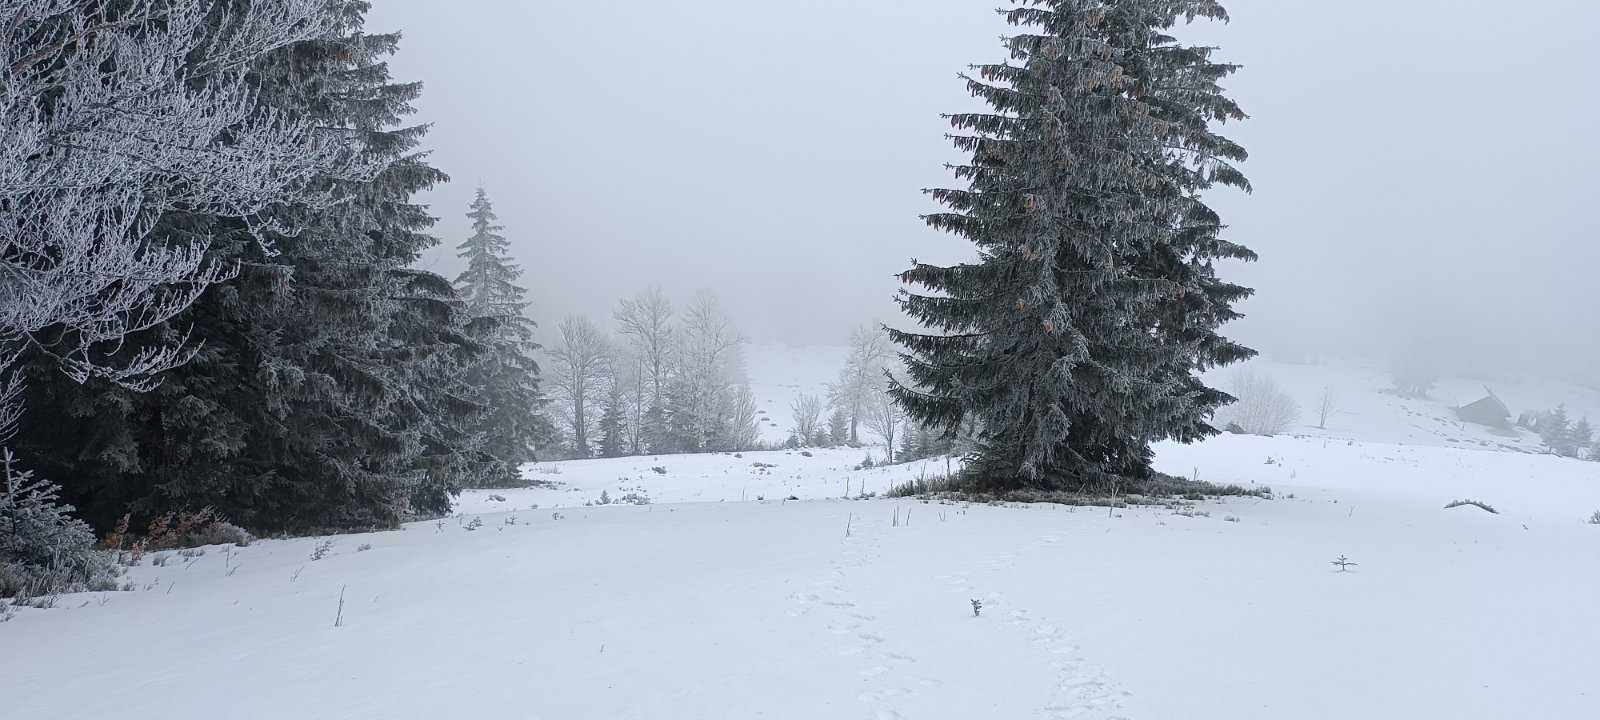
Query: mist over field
pixel 1417 186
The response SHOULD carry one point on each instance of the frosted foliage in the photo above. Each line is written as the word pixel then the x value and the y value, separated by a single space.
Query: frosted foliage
pixel 34 527
pixel 114 114
pixel 1264 407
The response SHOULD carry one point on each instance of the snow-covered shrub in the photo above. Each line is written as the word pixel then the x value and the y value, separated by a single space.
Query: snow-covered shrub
pixel 634 498
pixel 1595 518
pixel 1263 407
pixel 43 549
pixel 322 550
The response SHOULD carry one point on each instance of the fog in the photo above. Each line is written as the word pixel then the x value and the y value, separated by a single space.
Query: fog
pixel 1421 167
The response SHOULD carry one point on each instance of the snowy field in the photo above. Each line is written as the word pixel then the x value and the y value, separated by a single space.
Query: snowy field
pixel 702 606
pixel 724 598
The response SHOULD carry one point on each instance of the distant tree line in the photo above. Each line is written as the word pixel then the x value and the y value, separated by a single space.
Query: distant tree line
pixel 665 382
pixel 1560 434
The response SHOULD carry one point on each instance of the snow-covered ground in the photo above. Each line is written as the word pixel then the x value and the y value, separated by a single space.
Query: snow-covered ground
pixel 722 598
pixel 1365 408
pixel 701 606
pixel 779 374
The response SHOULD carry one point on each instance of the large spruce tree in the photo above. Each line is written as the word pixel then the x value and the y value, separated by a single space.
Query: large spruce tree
pixel 506 375
pixel 329 392
pixel 1075 338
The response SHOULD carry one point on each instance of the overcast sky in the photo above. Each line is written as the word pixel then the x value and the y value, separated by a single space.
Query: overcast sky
pixel 1424 169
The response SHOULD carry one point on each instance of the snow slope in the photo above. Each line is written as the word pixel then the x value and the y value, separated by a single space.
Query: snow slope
pixel 769 609
pixel 780 374
pixel 1365 409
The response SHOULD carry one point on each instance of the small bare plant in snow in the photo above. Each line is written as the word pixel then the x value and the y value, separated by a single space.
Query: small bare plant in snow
pixel 363 547
pixel 474 524
pixel 977 607
pixel 322 550
pixel 1344 564
pixel 1474 503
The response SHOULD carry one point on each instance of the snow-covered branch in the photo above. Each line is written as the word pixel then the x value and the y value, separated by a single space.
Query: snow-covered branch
pixel 114 114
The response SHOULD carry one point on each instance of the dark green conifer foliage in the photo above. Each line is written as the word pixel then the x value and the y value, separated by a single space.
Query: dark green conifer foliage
pixel 1075 337
pixel 613 440
pixel 506 375
pixel 329 392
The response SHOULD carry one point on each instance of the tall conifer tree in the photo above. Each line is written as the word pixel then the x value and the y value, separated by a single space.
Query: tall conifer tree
pixel 506 375
pixel 1075 338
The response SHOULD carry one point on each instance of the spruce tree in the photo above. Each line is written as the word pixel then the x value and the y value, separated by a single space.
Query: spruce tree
pixel 1555 429
pixel 506 375
pixel 1580 437
pixel 613 420
pixel 1075 338
pixel 329 391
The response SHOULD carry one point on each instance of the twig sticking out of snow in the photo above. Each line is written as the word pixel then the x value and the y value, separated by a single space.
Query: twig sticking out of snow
pixel 338 619
pixel 1479 505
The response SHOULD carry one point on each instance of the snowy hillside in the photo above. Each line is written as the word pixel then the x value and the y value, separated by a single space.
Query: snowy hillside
pixel 779 374
pixel 1365 406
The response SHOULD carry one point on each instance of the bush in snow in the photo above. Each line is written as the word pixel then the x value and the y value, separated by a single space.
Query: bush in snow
pixel 634 498
pixel 1263 408
pixel 322 550
pixel 43 549
pixel 1595 518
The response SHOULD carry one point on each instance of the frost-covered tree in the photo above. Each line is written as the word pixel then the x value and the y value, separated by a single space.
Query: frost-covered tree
pixel 1580 438
pixel 115 114
pixel 806 411
pixel 1263 407
pixel 330 389
pixel 1327 403
pixel 838 427
pixel 707 374
pixel 582 368
pixel 861 379
pixel 743 424
pixel 613 423
pixel 1560 434
pixel 506 375
pixel 1077 334
pixel 884 416
pixel 646 322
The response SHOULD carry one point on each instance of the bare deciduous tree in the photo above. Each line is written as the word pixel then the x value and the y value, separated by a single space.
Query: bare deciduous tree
pixel 1326 404
pixel 807 413
pixel 582 364
pixel 884 416
pixel 646 320
pixel 707 366
pixel 1263 408
pixel 861 378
